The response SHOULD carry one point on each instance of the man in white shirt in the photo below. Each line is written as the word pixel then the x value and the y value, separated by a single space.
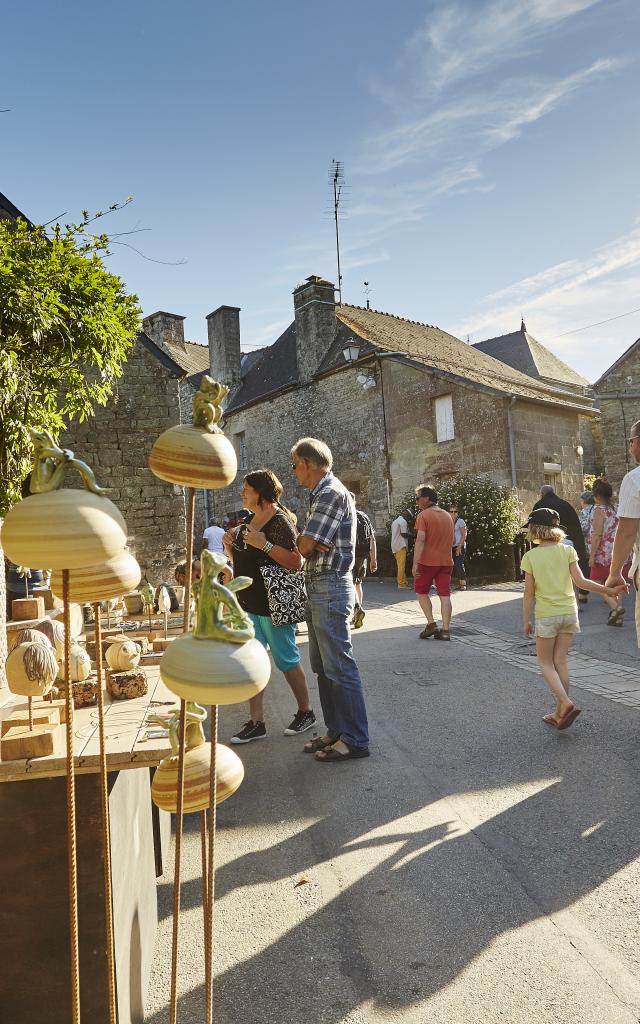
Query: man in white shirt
pixel 212 538
pixel 627 533
pixel 399 545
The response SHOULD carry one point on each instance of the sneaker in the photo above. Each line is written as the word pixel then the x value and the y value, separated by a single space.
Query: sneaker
pixel 302 720
pixel 250 731
pixel 358 617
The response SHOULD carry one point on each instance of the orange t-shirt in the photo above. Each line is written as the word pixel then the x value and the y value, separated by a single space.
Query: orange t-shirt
pixel 438 527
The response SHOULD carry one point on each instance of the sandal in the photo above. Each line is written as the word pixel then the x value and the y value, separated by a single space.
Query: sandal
pixel 616 615
pixel 442 634
pixel 333 756
pixel 317 743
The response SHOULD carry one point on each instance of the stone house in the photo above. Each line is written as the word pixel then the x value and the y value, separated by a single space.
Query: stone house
pixel 398 402
pixel 154 393
pixel 523 352
pixel 618 394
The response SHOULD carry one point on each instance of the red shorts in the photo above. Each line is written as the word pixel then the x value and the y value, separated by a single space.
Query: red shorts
pixel 599 573
pixel 427 575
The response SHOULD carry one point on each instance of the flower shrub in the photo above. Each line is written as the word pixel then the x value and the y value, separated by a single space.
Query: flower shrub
pixel 493 514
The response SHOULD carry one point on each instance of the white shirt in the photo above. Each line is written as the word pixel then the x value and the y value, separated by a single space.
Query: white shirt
pixel 629 506
pixel 398 527
pixel 458 527
pixel 213 536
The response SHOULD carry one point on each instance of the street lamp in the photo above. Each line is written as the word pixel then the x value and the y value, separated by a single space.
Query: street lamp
pixel 351 351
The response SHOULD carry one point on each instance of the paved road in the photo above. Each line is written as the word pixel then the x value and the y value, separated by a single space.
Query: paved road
pixel 479 867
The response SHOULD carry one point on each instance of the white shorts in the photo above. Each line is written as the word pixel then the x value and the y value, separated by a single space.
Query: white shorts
pixel 551 625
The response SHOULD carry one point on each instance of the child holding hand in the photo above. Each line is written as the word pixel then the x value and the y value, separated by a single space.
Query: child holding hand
pixel 551 569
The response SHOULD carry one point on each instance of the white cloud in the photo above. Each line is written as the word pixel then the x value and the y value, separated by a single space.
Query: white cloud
pixel 461 41
pixel 569 295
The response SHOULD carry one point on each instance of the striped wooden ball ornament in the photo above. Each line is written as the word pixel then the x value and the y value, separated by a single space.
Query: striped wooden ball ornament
pixel 193 457
pixel 197 766
pixel 213 672
pixel 93 583
pixel 63 529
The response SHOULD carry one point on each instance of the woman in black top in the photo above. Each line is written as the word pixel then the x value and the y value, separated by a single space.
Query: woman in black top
pixel 269 537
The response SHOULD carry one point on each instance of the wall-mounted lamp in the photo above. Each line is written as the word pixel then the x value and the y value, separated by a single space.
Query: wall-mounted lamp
pixel 351 351
pixel 579 451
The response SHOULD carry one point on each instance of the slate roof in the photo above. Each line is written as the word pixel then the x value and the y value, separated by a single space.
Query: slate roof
pixel 276 368
pixel 521 351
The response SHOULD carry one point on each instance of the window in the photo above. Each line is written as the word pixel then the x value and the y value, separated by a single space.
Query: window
pixel 444 418
pixel 241 450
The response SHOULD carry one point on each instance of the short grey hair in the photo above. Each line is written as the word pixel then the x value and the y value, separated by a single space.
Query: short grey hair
pixel 547 489
pixel 314 451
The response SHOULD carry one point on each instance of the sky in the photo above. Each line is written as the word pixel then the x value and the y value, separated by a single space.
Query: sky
pixel 490 152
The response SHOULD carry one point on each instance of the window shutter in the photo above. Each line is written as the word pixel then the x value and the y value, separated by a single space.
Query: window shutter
pixel 444 418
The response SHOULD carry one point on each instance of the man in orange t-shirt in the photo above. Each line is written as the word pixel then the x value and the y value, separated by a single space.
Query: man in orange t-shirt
pixel 432 561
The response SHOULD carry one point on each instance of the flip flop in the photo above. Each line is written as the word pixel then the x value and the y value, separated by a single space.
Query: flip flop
pixel 550 720
pixel 333 756
pixel 569 717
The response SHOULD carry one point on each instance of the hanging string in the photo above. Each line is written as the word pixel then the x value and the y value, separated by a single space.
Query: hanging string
pixel 71 814
pixel 106 838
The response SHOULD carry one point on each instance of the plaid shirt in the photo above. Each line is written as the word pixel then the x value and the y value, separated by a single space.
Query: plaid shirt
pixel 332 520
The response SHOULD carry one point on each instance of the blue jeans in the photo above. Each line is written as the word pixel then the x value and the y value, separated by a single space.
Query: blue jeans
pixel 331 600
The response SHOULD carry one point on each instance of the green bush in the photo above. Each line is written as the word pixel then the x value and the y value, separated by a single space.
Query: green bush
pixel 492 513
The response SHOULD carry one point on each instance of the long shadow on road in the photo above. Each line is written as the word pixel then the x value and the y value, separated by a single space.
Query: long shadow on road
pixel 470 821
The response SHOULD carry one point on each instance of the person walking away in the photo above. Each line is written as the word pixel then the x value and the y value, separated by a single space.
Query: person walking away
pixel 570 523
pixel 628 532
pixel 269 537
pixel 585 514
pixel 212 538
pixel 399 547
pixel 366 553
pixel 432 561
pixel 459 547
pixel 551 568
pixel 604 522
pixel 327 542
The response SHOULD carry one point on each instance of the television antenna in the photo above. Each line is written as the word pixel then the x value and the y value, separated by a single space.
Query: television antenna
pixel 367 292
pixel 336 181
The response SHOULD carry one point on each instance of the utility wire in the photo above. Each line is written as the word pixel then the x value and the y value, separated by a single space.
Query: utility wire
pixel 598 324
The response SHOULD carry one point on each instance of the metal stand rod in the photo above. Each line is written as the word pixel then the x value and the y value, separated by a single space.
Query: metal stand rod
pixel 106 836
pixel 173 1004
pixel 74 949
pixel 203 852
pixel 30 713
pixel 208 932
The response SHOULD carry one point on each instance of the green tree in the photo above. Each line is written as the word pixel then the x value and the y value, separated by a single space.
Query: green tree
pixel 66 326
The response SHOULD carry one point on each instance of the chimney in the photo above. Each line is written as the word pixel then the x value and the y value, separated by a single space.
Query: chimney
pixel 162 327
pixel 314 303
pixel 223 328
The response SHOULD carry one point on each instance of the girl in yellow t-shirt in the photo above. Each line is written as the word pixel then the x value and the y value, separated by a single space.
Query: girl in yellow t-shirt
pixel 550 571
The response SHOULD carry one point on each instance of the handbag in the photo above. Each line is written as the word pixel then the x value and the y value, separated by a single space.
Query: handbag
pixel 286 594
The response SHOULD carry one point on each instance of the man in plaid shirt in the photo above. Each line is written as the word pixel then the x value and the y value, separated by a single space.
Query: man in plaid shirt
pixel 328 542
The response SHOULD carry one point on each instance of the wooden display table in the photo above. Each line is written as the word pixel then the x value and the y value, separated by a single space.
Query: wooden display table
pixel 34 924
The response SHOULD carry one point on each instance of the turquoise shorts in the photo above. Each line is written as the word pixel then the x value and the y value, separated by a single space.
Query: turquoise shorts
pixel 280 640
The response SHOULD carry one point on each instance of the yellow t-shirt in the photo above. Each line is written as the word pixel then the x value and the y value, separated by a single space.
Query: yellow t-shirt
pixel 549 566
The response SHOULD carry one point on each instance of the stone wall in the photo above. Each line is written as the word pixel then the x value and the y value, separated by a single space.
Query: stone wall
pixel 116 443
pixel 546 434
pixel 619 398
pixel 480 444
pixel 337 409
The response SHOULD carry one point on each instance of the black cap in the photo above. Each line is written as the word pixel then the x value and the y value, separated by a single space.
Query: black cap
pixel 542 517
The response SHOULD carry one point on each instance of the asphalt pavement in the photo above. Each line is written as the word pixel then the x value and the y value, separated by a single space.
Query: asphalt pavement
pixel 478 867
